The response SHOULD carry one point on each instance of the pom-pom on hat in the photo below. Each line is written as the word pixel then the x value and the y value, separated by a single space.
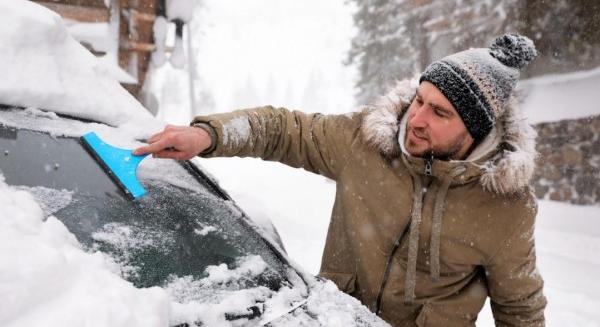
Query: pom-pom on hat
pixel 479 82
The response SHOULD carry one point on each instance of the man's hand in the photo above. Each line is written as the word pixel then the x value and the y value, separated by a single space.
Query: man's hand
pixel 176 142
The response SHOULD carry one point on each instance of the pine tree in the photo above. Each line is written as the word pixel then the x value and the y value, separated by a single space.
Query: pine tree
pixel 383 49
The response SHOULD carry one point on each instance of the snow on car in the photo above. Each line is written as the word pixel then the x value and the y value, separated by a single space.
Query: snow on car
pixel 75 251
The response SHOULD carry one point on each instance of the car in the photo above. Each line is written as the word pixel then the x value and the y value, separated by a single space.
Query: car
pixel 205 261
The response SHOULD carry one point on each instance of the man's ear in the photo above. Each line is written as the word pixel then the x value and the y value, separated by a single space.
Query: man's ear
pixel 472 147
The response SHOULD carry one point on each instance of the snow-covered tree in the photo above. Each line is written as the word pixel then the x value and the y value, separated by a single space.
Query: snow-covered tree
pixel 384 48
pixel 398 38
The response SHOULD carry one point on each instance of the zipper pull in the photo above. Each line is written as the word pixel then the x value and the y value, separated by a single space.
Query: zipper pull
pixel 429 166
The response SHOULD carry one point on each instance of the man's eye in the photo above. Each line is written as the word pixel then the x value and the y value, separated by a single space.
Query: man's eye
pixel 419 101
pixel 440 113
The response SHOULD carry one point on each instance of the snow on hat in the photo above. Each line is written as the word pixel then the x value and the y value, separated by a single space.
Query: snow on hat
pixel 479 82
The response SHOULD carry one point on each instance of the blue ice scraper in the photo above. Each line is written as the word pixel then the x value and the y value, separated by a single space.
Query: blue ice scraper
pixel 120 164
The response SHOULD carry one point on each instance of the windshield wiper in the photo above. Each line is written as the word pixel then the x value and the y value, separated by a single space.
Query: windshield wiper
pixel 253 312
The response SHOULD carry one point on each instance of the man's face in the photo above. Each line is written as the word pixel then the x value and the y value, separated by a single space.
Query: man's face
pixel 434 126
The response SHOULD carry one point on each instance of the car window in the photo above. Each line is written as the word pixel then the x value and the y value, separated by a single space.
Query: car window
pixel 173 231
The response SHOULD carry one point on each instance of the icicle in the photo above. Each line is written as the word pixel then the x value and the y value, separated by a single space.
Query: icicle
pixel 177 58
pixel 160 39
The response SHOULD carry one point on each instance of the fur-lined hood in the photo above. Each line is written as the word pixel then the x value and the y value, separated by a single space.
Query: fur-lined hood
pixel 509 148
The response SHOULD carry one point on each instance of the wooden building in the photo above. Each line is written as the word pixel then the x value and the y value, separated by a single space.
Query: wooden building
pixel 128 22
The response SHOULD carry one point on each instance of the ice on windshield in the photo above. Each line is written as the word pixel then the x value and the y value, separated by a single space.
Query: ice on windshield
pixel 50 200
pixel 205 230
pixel 126 240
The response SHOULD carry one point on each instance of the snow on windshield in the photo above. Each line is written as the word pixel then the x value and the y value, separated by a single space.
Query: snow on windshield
pixel 187 289
pixel 46 277
pixel 223 290
pixel 44 67
pixel 324 305
pixel 127 239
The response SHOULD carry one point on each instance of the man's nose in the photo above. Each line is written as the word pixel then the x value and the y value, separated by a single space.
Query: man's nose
pixel 420 118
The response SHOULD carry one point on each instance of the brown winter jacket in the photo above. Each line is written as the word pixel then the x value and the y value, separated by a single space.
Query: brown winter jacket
pixel 419 245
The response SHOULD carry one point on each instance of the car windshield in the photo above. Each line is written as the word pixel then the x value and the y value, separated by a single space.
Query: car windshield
pixel 183 224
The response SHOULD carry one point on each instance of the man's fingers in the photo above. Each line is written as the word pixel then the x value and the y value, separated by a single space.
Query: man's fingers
pixel 140 151
pixel 172 154
pixel 161 144
pixel 153 147
pixel 174 128
pixel 165 154
pixel 179 142
pixel 155 137
pixel 169 129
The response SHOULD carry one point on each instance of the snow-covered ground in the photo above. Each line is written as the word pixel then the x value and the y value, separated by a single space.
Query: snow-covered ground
pixel 567 244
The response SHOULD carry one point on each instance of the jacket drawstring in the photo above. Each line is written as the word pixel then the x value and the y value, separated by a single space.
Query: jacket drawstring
pixel 415 222
pixel 413 237
pixel 436 224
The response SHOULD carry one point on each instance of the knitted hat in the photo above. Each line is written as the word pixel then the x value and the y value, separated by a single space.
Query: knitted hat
pixel 479 82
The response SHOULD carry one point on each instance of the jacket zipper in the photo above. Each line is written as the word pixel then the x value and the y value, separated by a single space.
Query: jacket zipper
pixel 429 166
pixel 388 267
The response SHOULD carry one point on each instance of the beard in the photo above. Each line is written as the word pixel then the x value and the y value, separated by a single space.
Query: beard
pixel 446 153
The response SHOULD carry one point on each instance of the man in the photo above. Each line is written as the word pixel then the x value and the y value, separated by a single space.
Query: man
pixel 433 212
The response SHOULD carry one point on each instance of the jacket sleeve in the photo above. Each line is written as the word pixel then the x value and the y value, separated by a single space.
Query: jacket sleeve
pixel 318 143
pixel 515 285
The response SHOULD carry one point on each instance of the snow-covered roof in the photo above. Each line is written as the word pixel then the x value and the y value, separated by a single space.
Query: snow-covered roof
pixel 44 67
pixel 101 37
pixel 558 97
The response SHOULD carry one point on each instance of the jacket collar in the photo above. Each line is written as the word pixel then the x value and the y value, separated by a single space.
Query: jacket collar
pixel 440 169
pixel 504 162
